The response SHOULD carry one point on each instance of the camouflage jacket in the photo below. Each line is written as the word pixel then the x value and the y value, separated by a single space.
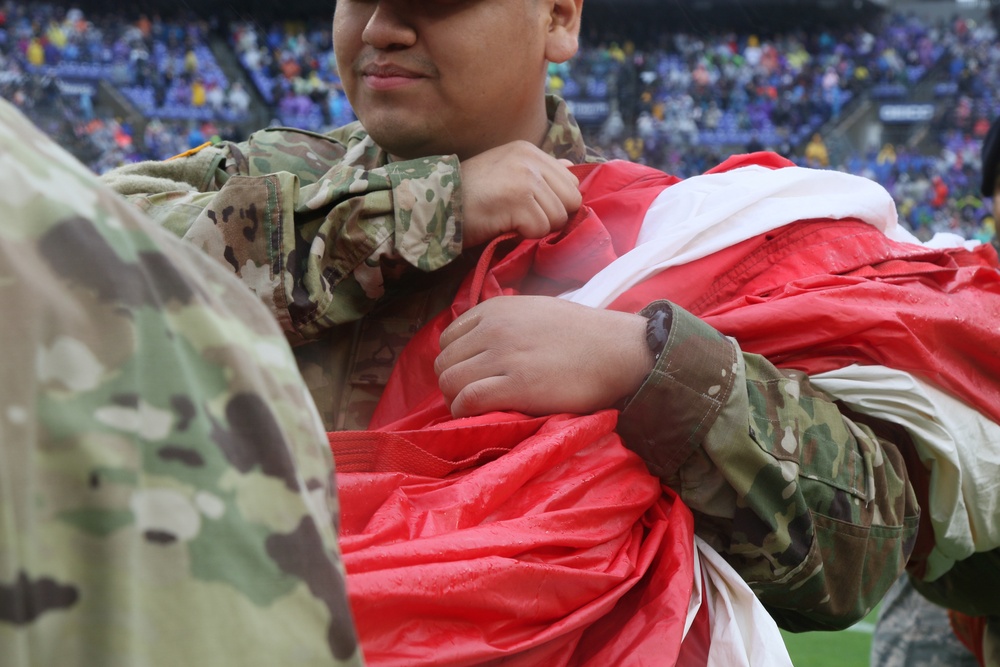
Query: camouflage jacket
pixel 166 487
pixel 348 247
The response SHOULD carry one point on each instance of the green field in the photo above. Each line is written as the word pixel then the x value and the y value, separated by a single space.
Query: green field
pixel 848 648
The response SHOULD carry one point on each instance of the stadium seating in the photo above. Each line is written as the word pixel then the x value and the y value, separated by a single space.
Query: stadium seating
pixel 682 103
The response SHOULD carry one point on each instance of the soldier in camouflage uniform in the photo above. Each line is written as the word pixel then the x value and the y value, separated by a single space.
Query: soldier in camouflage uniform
pixel 355 238
pixel 166 489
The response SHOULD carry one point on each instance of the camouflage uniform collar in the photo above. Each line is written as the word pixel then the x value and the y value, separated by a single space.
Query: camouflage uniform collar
pixel 564 138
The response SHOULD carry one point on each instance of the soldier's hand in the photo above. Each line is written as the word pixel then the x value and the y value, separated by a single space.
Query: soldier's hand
pixel 541 355
pixel 516 188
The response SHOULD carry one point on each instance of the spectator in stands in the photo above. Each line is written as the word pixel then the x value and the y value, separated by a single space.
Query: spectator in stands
pixel 191 64
pixel 939 191
pixel 198 93
pixel 238 99
pixel 196 136
pixel 151 409
pixel 990 183
pixel 215 97
pixel 161 85
pixel 886 158
pixel 35 53
pixel 816 153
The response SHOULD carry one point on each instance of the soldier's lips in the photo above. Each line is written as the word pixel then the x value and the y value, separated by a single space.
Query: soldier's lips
pixel 380 73
pixel 389 82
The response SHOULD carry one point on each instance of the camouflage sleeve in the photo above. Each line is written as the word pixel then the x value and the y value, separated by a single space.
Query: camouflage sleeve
pixel 319 229
pixel 166 490
pixel 812 508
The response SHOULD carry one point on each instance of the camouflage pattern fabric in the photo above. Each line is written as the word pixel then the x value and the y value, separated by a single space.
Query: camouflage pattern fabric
pixel 320 227
pixel 353 252
pixel 810 504
pixel 326 230
pixel 166 491
pixel 913 632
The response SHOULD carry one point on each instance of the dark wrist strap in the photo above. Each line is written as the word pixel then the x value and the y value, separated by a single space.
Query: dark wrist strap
pixel 659 316
pixel 658 329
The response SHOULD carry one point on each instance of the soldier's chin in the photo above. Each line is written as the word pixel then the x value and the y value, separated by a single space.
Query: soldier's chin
pixel 405 144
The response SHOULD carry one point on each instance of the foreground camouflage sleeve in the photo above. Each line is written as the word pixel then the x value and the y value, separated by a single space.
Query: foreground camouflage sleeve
pixel 166 491
pixel 318 227
pixel 812 508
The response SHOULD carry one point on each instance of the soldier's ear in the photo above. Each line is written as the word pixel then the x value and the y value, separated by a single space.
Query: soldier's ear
pixel 562 40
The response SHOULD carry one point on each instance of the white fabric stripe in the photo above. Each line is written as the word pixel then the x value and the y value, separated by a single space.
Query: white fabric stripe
pixel 743 633
pixel 707 213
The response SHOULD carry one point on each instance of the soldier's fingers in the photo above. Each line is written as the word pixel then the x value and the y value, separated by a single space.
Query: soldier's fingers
pixel 481 396
pixel 459 328
pixel 546 213
pixel 566 187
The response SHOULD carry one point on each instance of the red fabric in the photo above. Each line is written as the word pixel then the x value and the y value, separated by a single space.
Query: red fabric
pixel 698 640
pixel 758 159
pixel 544 541
pixel 557 549
pixel 816 296
pixel 970 630
pixel 539 541
pixel 616 197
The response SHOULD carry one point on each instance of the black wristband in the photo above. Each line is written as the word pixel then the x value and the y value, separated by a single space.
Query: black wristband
pixel 657 330
pixel 659 316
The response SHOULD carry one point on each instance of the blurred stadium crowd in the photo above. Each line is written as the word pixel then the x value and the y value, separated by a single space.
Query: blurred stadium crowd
pixel 113 90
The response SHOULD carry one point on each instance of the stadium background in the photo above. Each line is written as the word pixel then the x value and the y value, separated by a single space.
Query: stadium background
pixel 899 91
